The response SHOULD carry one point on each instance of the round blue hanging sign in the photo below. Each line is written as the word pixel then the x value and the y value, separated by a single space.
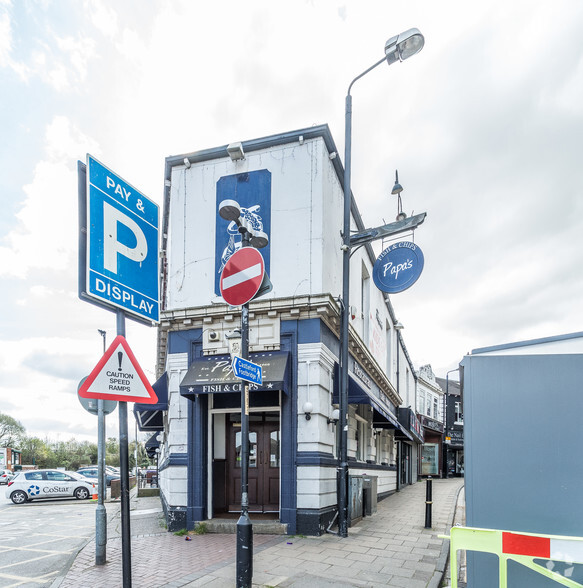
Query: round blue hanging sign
pixel 398 267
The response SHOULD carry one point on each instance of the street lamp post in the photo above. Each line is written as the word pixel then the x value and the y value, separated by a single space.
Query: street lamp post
pixel 445 424
pixel 397 48
pixel 231 211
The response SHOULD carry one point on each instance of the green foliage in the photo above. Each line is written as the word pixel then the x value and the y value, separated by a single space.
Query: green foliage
pixel 181 532
pixel 200 529
pixel 71 455
pixel 11 431
pixel 35 451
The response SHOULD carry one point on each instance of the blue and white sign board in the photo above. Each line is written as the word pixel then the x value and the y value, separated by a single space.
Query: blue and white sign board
pixel 247 370
pixel 252 190
pixel 122 244
pixel 398 267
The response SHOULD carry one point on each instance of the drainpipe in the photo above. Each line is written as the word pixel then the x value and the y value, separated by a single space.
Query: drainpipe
pixel 398 442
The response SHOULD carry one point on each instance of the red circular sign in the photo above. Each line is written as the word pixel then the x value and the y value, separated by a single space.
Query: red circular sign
pixel 242 276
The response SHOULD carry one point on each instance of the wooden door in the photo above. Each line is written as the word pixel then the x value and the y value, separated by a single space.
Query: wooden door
pixel 263 477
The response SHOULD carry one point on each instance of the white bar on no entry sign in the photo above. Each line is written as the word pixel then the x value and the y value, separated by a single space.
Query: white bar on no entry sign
pixel 242 276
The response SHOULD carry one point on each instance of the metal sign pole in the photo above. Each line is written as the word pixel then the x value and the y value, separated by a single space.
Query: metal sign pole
pixel 126 547
pixel 101 513
pixel 244 526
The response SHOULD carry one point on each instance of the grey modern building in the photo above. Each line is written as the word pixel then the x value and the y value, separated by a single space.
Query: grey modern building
pixel 523 445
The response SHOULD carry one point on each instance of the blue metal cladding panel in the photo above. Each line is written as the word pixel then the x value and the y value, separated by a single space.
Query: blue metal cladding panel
pixel 252 190
pixel 522 454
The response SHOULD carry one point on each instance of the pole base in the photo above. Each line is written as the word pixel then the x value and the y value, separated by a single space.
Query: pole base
pixel 244 551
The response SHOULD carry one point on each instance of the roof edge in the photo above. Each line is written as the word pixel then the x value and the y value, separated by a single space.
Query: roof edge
pixel 527 343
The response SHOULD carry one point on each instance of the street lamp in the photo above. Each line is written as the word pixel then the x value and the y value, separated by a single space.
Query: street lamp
pixel 231 211
pixel 397 48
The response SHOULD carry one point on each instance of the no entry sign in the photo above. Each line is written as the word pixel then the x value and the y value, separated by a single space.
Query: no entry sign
pixel 242 276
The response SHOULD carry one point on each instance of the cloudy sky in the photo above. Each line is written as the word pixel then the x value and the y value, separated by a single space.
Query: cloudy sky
pixel 485 126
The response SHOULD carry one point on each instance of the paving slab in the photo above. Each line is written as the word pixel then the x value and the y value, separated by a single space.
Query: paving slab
pixel 391 548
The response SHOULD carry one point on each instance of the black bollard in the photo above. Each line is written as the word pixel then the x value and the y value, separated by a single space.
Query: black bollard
pixel 428 503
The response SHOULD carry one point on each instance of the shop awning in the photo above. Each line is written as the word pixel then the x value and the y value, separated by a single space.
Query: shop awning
pixel 383 418
pixel 411 424
pixel 213 374
pixel 149 416
pixel 151 445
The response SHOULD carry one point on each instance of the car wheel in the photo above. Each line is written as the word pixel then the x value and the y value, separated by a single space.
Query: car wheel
pixel 19 497
pixel 81 494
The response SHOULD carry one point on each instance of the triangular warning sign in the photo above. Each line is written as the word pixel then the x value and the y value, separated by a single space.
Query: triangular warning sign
pixel 118 376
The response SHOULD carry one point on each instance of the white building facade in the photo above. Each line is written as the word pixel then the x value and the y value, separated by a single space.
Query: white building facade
pixel 431 412
pixel 290 187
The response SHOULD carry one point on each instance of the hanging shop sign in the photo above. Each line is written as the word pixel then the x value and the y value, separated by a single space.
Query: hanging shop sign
pixel 398 267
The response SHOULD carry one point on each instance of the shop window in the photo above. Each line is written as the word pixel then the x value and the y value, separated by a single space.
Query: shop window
pixel 421 407
pixel 388 338
pixel 379 446
pixel 458 415
pixel 363 433
pixel 361 429
pixel 365 304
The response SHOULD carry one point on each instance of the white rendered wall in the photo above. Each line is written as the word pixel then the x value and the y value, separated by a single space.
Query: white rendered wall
pixel 297 224
pixel 173 479
pixel 305 240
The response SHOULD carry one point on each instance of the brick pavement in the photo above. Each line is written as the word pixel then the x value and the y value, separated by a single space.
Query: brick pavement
pixel 391 548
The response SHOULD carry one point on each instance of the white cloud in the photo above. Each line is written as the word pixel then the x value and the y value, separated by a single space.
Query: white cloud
pixel 103 17
pixel 5 37
pixel 46 233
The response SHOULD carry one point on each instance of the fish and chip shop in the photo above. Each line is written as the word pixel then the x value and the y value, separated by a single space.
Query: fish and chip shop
pixel 290 187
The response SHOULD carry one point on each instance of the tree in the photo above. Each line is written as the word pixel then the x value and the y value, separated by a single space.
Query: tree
pixel 11 431
pixel 112 452
pixel 143 460
pixel 35 452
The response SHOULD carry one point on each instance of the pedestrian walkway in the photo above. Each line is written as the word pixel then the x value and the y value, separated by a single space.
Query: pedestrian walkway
pixel 391 548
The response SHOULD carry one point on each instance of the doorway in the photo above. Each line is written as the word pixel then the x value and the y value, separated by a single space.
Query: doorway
pixel 264 462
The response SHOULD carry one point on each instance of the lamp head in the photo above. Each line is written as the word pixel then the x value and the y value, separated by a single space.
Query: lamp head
pixel 397 188
pixel 334 417
pixel 259 239
pixel 229 210
pixel 404 45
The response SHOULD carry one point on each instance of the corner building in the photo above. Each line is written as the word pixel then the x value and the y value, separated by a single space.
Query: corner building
pixel 290 187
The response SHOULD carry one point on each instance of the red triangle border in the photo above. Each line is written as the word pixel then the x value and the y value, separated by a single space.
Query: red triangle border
pixel 84 389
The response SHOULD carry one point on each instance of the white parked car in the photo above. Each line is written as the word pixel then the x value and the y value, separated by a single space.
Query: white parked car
pixel 5 476
pixel 35 484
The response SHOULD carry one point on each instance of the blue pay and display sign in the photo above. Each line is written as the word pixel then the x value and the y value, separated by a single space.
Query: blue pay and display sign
pixel 122 243
pixel 247 370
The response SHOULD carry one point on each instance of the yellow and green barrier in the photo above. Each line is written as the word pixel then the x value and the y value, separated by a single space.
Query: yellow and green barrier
pixel 523 548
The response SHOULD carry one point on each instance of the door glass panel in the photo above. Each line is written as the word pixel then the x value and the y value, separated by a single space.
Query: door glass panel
pixel 252 449
pixel 238 449
pixel 274 449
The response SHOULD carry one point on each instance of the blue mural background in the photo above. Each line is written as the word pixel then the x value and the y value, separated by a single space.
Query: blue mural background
pixel 252 190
